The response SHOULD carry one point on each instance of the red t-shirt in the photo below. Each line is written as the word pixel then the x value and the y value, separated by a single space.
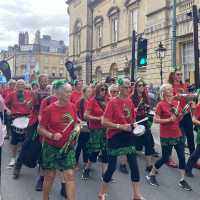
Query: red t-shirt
pixel 119 111
pixel 94 109
pixel 75 96
pixel 7 92
pixel 178 89
pixel 55 119
pixel 15 105
pixel 170 129
pixel 197 112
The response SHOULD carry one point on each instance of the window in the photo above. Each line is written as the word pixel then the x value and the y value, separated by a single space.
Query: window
pixel 78 44
pixel 77 38
pixel 46 60
pixel 133 20
pixel 188 59
pixel 99 35
pixel 114 29
pixel 62 62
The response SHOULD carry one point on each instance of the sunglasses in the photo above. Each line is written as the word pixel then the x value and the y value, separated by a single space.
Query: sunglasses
pixel 140 85
pixel 104 89
pixel 114 91
pixel 179 74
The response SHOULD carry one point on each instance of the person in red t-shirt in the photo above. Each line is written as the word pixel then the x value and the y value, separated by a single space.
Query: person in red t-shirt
pixel 17 102
pixel 10 88
pixel 168 115
pixel 180 89
pixel 84 134
pixel 57 124
pixel 119 118
pixel 141 102
pixel 77 92
pixel 97 139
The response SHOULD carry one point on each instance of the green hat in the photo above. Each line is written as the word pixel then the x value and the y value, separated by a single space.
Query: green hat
pixel 57 84
pixel 123 82
pixel 34 82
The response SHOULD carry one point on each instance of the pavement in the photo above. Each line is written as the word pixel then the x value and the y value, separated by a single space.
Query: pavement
pixel 23 188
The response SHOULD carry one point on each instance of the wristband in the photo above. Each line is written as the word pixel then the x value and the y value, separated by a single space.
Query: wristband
pixel 118 126
pixel 52 136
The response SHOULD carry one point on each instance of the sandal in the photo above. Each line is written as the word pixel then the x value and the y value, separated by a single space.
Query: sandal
pixel 139 198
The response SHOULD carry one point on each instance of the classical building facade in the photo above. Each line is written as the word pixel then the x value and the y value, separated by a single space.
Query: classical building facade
pixel 46 55
pixel 101 35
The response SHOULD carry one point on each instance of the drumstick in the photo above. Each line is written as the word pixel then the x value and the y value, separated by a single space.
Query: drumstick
pixel 142 120
pixel 68 125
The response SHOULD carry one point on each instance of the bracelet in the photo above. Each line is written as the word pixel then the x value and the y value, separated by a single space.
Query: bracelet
pixel 118 126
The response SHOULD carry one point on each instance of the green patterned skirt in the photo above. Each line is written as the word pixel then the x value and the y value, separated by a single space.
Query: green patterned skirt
pixel 52 160
pixel 97 140
pixel 121 144
pixel 170 141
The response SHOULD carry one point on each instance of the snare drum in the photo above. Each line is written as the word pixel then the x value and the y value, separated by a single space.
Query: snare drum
pixel 139 130
pixel 19 124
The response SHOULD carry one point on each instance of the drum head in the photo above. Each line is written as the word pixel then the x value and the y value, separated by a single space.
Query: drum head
pixel 21 122
pixel 152 112
pixel 139 130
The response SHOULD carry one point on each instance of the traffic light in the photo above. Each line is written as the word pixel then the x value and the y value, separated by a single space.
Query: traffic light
pixel 142 52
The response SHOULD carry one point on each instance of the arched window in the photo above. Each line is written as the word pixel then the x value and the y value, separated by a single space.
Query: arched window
pixel 113 15
pixel 98 22
pixel 98 73
pixel 113 70
pixel 77 37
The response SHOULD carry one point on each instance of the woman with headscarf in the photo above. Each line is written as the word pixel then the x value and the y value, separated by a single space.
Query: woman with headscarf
pixel 141 102
pixel 56 126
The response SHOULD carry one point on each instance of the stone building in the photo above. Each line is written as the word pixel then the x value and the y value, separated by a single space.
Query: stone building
pixel 45 54
pixel 100 37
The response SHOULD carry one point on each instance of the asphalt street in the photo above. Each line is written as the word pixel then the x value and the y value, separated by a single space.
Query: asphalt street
pixel 23 188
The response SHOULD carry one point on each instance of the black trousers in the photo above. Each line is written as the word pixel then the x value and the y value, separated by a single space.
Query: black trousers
pixel 166 153
pixel 186 126
pixel 193 159
pixel 112 163
pixel 30 131
pixel 81 146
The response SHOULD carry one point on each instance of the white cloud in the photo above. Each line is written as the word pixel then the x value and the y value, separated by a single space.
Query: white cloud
pixel 50 17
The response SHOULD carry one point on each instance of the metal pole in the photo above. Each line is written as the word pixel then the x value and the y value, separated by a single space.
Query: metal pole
pixel 196 44
pixel 161 72
pixel 133 56
pixel 91 53
pixel 174 35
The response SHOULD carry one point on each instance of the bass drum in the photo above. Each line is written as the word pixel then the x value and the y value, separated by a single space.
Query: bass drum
pixel 19 124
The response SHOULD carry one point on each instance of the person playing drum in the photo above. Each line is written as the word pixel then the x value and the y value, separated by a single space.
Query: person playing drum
pixel 56 126
pixel 168 115
pixel 141 102
pixel 119 117
pixel 17 102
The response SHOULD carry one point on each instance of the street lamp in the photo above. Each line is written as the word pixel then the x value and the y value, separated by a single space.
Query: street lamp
pixel 160 53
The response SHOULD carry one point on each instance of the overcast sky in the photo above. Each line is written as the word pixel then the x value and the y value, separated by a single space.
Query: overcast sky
pixel 49 16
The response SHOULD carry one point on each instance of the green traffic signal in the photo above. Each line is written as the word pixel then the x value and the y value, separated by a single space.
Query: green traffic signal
pixel 143 61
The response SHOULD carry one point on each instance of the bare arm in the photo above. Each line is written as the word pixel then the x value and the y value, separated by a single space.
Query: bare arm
pixel 195 120
pixel 158 120
pixel 88 116
pixel 43 132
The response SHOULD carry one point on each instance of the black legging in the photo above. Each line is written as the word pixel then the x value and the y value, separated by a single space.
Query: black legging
pixel 82 141
pixel 112 163
pixel 186 126
pixel 193 159
pixel 166 152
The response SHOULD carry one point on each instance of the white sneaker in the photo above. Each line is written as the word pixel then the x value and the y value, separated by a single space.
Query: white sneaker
pixel 12 162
